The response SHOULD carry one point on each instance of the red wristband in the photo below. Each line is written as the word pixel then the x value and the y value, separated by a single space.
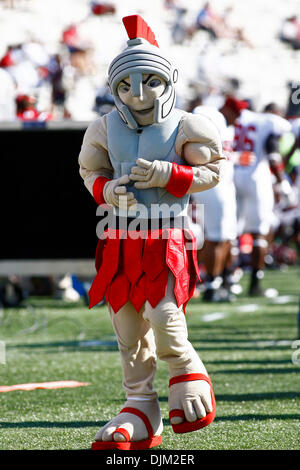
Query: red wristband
pixel 181 180
pixel 98 189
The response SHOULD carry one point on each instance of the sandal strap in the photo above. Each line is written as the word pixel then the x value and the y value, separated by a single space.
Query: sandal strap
pixel 123 432
pixel 177 413
pixel 188 378
pixel 143 417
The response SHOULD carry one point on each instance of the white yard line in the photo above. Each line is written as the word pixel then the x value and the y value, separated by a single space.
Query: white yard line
pixel 248 308
pixel 97 343
pixel 284 299
pixel 214 316
pixel 283 342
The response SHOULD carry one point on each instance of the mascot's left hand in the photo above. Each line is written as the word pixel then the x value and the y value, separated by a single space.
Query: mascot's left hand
pixel 154 174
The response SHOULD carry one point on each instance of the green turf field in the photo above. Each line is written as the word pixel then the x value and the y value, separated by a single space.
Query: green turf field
pixel 246 346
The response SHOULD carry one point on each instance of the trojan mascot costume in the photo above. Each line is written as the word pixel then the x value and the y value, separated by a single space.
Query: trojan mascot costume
pixel 146 153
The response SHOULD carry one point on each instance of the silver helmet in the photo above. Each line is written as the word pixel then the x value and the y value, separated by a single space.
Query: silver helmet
pixel 138 58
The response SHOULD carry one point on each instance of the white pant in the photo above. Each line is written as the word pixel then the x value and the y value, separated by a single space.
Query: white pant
pixel 153 332
pixel 220 221
pixel 255 199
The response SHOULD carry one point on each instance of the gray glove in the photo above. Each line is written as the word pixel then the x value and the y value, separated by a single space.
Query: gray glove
pixel 115 193
pixel 154 174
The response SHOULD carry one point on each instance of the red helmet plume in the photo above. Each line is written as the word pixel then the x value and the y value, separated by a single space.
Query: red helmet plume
pixel 136 27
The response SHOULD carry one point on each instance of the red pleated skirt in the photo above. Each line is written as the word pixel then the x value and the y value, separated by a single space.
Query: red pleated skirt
pixel 136 269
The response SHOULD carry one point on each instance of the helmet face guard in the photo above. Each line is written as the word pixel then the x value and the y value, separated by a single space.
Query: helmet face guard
pixel 141 57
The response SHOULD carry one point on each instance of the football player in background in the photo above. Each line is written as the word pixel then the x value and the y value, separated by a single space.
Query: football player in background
pixel 220 220
pixel 256 152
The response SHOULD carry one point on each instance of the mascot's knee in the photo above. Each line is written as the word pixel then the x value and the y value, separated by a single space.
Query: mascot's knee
pixel 129 338
pixel 163 315
pixel 135 338
pixel 169 326
pixel 126 344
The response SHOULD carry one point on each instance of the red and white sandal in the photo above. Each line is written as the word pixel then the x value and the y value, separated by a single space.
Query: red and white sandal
pixel 152 440
pixel 187 426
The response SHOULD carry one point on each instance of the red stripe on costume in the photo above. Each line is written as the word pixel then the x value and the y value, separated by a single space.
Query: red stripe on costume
pixel 98 189
pixel 142 416
pixel 107 270
pixel 137 294
pixel 154 256
pixel 132 253
pixel 190 242
pixel 177 260
pixel 188 378
pixel 180 180
pixel 156 289
pixel 99 253
pixel 117 293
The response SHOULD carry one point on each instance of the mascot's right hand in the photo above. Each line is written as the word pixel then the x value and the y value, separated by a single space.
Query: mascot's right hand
pixel 115 193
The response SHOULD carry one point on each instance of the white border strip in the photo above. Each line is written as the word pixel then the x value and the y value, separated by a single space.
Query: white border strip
pixel 47 267
pixel 35 125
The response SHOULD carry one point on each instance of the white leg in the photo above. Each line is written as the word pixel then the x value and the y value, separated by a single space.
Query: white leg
pixel 172 345
pixel 137 348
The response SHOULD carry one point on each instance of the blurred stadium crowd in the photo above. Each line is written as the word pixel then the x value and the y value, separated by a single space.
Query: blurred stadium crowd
pixel 54 57
pixel 237 59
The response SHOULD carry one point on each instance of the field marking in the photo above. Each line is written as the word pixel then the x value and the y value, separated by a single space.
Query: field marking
pixel 284 299
pixel 2 352
pixel 43 385
pixel 97 343
pixel 214 316
pixel 248 308
pixel 283 342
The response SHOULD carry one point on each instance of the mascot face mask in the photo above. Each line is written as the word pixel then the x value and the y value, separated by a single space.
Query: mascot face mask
pixel 139 65
pixel 141 102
